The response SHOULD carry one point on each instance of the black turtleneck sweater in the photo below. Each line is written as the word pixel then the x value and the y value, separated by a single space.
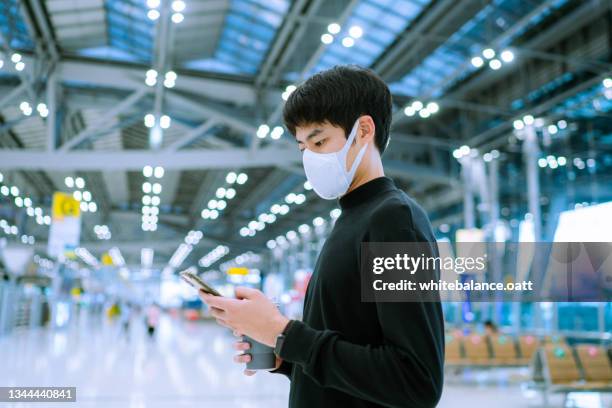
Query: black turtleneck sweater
pixel 348 353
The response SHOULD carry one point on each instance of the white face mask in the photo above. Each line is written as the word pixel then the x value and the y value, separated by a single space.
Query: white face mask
pixel 327 173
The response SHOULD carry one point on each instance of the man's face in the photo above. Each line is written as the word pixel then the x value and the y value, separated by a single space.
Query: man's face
pixel 327 138
pixel 320 137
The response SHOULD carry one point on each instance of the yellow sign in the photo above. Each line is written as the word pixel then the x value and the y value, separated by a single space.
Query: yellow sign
pixel 238 271
pixel 106 259
pixel 64 205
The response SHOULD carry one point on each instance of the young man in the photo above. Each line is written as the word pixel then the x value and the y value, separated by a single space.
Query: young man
pixel 345 352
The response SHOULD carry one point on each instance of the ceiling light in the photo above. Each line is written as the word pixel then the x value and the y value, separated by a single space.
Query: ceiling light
pixel 417 105
pixel 495 64
pixel 178 5
pixel 433 107
pixel 424 113
pixel 327 38
pixel 507 56
pixel 488 53
pixel 69 181
pixel 409 111
pixel 178 18
pixel 334 28
pixel 164 121
pixel 355 31
pixel 150 81
pixel 231 177
pixel 348 42
pixel 79 182
pixel 153 15
pixel 277 132
pixel 147 171
pixel 242 178
pixel 159 172
pixel 518 124
pixel 262 131
pixel 477 62
pixel 528 119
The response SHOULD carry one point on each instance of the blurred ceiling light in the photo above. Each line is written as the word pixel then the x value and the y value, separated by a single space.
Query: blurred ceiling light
pixel 348 42
pixel 488 53
pixel 334 28
pixel 495 64
pixel 507 56
pixel 477 62
pixel 355 31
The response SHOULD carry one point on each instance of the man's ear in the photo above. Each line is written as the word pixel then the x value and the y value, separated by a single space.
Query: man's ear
pixel 367 130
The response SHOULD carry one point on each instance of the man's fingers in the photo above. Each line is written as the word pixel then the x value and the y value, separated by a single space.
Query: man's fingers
pixel 242 358
pixel 242 346
pixel 237 333
pixel 242 292
pixel 217 313
pixel 249 372
pixel 219 302
pixel 223 323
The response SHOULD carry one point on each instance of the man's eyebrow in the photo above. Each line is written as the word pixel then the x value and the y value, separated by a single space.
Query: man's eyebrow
pixel 312 134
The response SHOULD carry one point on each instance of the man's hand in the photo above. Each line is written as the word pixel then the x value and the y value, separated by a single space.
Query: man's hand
pixel 244 357
pixel 251 314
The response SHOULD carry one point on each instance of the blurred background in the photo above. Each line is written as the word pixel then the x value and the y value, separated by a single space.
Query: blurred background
pixel 140 138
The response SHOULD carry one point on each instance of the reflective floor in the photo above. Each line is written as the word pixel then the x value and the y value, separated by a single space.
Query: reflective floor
pixel 189 365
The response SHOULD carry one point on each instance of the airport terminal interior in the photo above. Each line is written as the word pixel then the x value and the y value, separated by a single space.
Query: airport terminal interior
pixel 143 138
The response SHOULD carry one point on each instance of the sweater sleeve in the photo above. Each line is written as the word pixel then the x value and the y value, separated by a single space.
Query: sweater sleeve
pixel 406 369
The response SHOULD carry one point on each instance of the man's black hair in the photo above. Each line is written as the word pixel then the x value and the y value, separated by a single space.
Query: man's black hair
pixel 339 96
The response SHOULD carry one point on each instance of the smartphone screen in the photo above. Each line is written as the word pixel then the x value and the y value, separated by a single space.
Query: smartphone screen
pixel 195 281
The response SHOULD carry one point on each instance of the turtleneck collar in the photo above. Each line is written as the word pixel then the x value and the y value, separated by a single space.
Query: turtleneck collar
pixel 365 192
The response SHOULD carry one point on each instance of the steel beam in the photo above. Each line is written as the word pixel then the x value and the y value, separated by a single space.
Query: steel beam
pixel 191 135
pixel 137 159
pixel 103 122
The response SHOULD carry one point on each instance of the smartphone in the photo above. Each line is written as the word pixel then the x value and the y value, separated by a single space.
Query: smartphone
pixel 195 281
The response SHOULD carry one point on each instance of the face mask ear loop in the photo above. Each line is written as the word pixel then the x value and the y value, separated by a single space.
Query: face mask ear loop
pixel 357 162
pixel 350 139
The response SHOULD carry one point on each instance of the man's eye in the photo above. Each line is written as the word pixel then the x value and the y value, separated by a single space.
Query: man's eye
pixel 320 143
